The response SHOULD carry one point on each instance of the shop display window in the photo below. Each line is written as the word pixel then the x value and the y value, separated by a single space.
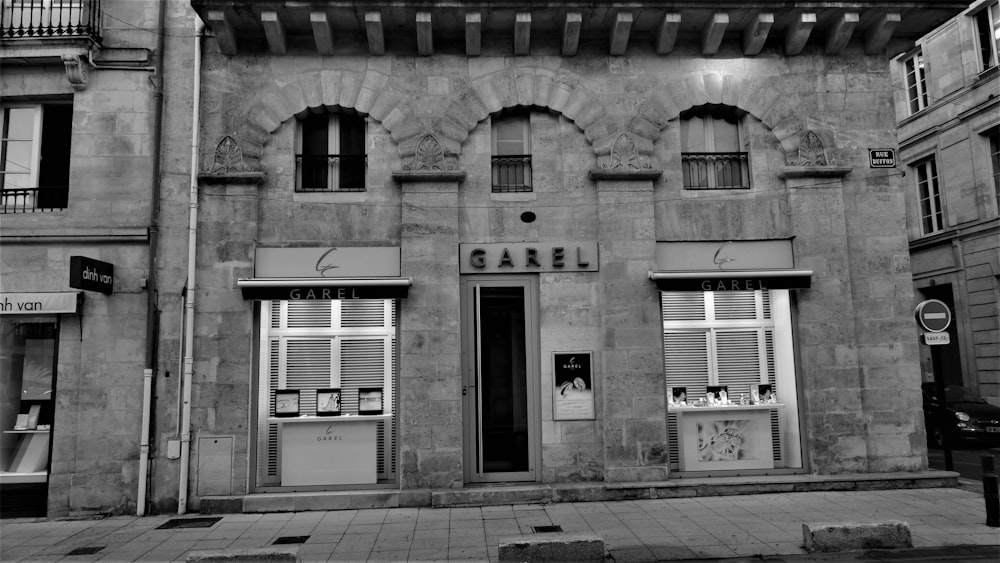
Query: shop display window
pixel 336 358
pixel 726 350
pixel 27 383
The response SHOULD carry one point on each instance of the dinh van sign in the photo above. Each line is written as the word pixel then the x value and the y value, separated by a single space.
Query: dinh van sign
pixel 91 275
pixel 39 303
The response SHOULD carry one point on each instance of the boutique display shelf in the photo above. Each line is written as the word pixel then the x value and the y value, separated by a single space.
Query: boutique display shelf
pixel 328 450
pixel 725 437
pixel 30 461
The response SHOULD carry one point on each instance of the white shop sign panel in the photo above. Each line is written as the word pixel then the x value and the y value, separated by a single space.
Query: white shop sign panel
pixel 329 450
pixel 39 303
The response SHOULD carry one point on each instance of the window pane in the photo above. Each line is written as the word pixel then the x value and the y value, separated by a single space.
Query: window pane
pixel 19 123
pixel 17 163
pixel 509 134
pixel 726 136
pixel 994 136
pixel 314 134
pixel 986 28
pixel 16 149
pixel 693 135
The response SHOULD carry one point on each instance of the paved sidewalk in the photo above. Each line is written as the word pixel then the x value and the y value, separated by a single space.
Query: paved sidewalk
pixel 763 525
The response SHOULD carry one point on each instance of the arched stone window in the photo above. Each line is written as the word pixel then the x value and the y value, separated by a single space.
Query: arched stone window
pixel 713 149
pixel 511 140
pixel 330 151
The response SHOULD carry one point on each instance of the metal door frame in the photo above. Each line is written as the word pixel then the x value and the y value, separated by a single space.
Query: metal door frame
pixel 470 375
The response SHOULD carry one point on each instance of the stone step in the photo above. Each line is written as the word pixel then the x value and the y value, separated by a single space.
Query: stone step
pixel 502 494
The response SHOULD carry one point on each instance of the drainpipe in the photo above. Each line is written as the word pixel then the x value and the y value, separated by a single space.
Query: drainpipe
pixel 152 318
pixel 182 495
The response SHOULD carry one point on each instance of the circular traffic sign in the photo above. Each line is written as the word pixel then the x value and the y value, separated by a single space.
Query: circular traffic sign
pixel 933 315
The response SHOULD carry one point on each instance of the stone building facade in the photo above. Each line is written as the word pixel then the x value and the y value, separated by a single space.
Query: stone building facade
pixel 79 95
pixel 404 253
pixel 951 128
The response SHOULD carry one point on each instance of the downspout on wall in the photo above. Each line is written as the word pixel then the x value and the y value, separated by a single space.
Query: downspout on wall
pixel 152 313
pixel 182 495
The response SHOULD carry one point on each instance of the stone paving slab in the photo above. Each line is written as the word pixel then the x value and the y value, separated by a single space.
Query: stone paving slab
pixel 755 527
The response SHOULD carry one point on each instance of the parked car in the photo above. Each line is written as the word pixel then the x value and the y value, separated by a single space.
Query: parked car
pixel 966 418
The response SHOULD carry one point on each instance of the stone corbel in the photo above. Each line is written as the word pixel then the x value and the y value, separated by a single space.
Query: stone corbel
pixel 229 165
pixel 623 161
pixel 429 162
pixel 76 71
pixel 812 161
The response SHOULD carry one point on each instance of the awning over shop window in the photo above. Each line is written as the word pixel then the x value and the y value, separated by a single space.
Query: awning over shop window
pixel 294 289
pixel 40 303
pixel 732 280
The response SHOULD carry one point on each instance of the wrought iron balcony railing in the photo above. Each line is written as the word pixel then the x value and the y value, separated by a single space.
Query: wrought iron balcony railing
pixel 715 170
pixel 512 173
pixel 330 172
pixel 33 200
pixel 40 19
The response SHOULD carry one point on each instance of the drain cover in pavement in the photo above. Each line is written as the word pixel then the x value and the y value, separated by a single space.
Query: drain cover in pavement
pixel 544 529
pixel 290 539
pixel 85 550
pixel 174 523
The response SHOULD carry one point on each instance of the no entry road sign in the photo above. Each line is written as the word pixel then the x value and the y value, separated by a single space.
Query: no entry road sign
pixel 933 315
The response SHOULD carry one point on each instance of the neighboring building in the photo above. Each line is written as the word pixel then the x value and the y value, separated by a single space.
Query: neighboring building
pixel 948 109
pixel 78 105
pixel 391 253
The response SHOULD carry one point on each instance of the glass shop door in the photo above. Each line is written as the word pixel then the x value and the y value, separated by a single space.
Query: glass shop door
pixel 500 386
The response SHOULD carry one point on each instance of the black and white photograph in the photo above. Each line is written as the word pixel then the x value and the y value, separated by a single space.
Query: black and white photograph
pixel 328 402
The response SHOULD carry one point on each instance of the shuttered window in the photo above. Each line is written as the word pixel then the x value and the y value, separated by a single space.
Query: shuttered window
pixel 718 338
pixel 309 345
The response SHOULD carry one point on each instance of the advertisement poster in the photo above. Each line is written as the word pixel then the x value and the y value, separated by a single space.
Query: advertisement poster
pixel 573 396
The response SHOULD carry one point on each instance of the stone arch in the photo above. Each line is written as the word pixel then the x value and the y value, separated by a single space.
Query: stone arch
pixel 369 92
pixel 755 95
pixel 559 90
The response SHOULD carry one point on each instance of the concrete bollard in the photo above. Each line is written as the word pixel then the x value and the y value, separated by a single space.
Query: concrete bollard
pixel 991 490
pixel 847 536
pixel 579 548
pixel 275 554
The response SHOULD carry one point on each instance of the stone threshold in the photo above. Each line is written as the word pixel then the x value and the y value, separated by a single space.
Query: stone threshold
pixel 545 493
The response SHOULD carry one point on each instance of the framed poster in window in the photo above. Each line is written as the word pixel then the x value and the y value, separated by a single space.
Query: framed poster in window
pixel 573 380
pixel 717 394
pixel 677 396
pixel 761 394
pixel 327 402
pixel 286 402
pixel 370 400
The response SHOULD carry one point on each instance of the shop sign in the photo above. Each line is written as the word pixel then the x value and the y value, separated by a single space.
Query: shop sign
pixel 292 292
pixel 91 275
pixel 714 256
pixel 882 158
pixel 327 262
pixel 573 377
pixel 527 257
pixel 38 303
